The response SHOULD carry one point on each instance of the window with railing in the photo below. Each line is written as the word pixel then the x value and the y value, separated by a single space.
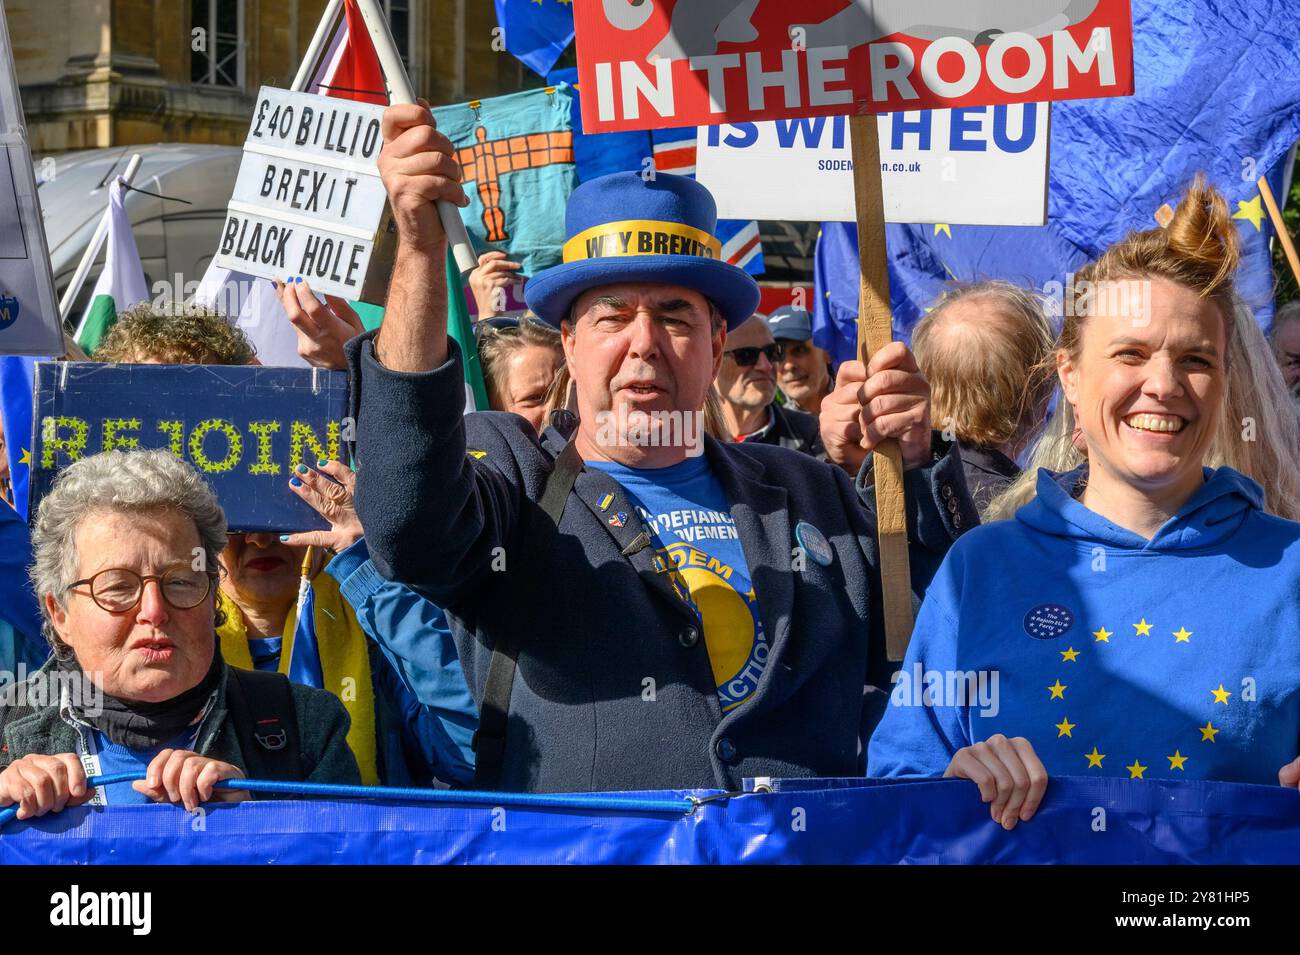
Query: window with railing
pixel 217 43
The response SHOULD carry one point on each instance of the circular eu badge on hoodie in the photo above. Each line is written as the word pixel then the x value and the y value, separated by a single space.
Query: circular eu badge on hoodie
pixel 1048 621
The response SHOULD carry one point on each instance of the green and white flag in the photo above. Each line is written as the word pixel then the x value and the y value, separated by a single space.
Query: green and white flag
pixel 121 284
pixel 461 329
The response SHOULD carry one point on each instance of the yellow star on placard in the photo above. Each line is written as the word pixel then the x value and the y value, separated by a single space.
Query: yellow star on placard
pixel 1103 635
pixel 1143 629
pixel 1182 635
pixel 1136 770
pixel 1251 211
pixel 1094 758
pixel 1208 732
pixel 943 227
pixel 1064 727
pixel 25 457
pixel 1069 655
pixel 1176 761
pixel 1058 691
pixel 1221 695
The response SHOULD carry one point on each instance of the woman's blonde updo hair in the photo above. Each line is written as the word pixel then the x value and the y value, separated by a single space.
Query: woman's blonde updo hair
pixel 1258 433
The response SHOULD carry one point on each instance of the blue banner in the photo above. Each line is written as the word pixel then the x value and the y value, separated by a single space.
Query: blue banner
pixel 245 428
pixel 516 154
pixel 1081 821
pixel 1217 92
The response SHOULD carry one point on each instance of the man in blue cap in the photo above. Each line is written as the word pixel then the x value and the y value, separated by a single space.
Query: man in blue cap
pixel 634 606
pixel 804 372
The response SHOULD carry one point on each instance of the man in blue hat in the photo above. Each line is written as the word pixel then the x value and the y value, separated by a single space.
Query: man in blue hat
pixel 635 605
pixel 804 372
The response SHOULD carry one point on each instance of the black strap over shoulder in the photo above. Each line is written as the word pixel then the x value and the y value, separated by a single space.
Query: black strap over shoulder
pixel 266 724
pixel 494 711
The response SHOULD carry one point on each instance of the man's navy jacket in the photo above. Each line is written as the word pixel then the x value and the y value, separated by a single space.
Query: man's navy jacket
pixel 614 688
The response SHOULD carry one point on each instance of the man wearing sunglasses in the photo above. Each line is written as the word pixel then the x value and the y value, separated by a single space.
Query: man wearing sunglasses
pixel 747 384
pixel 634 607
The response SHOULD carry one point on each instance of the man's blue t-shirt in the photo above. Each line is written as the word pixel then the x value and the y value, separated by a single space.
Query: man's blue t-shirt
pixel 689 518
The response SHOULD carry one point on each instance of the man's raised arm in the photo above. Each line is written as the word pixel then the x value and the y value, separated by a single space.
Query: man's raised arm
pixel 418 169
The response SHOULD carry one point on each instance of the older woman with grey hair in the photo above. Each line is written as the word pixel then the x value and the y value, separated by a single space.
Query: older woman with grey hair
pixel 125 566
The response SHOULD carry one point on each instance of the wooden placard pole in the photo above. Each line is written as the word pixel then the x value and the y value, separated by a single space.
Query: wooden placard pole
pixel 875 330
pixel 1279 225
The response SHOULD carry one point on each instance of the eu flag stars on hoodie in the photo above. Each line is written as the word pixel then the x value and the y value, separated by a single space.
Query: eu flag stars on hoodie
pixel 1177 657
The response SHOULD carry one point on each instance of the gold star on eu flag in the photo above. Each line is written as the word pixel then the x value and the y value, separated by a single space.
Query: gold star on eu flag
pixel 1208 732
pixel 1176 761
pixel 1182 635
pixel 1136 770
pixel 1058 691
pixel 1094 758
pixel 1069 655
pixel 1143 629
pixel 1251 211
pixel 1221 695
pixel 1103 635
pixel 1064 728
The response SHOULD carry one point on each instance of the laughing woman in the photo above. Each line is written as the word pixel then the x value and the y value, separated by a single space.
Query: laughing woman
pixel 1140 615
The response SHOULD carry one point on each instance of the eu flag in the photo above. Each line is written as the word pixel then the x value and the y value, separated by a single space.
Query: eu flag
pixel 1217 90
pixel 536 32
pixel 17 379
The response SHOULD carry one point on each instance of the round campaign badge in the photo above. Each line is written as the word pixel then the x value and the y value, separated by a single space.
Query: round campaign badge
pixel 814 543
pixel 1048 621
pixel 9 309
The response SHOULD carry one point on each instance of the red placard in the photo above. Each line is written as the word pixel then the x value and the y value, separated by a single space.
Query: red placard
pixel 647 64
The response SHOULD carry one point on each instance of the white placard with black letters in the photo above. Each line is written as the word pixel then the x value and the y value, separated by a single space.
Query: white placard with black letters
pixel 308 200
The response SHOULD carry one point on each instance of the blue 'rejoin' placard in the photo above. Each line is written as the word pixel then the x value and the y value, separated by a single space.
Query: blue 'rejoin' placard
pixel 244 428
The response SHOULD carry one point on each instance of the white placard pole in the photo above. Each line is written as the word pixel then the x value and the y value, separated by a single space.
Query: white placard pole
pixel 319 44
pixel 400 84
pixel 93 250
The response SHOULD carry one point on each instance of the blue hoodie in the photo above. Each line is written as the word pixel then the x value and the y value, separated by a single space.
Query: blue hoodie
pixel 1177 657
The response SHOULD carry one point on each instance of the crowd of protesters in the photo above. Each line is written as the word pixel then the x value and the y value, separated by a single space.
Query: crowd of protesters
pixel 535 599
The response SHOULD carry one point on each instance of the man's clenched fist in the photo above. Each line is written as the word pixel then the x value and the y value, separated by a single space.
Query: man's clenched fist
pixel 418 169
pixel 889 398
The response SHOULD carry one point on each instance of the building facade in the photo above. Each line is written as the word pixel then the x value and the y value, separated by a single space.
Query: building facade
pixel 101 73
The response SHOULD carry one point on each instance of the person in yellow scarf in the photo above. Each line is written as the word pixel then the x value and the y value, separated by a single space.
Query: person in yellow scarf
pixel 259 598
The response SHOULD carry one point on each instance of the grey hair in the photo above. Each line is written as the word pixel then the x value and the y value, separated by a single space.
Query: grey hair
pixel 1288 313
pixel 121 481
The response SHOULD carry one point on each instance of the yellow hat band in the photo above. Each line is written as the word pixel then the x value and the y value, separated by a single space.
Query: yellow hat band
pixel 641 237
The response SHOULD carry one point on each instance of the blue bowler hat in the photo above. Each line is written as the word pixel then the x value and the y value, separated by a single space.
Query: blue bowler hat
pixel 622 228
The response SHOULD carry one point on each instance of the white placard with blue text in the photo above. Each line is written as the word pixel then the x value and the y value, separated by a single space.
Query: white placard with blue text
pixel 976 166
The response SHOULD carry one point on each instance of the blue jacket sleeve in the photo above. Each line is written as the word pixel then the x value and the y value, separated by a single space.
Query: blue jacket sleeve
pixel 416 640
pixel 434 515
pixel 919 735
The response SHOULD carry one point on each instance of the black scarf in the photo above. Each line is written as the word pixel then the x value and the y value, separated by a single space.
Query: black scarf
pixel 144 726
